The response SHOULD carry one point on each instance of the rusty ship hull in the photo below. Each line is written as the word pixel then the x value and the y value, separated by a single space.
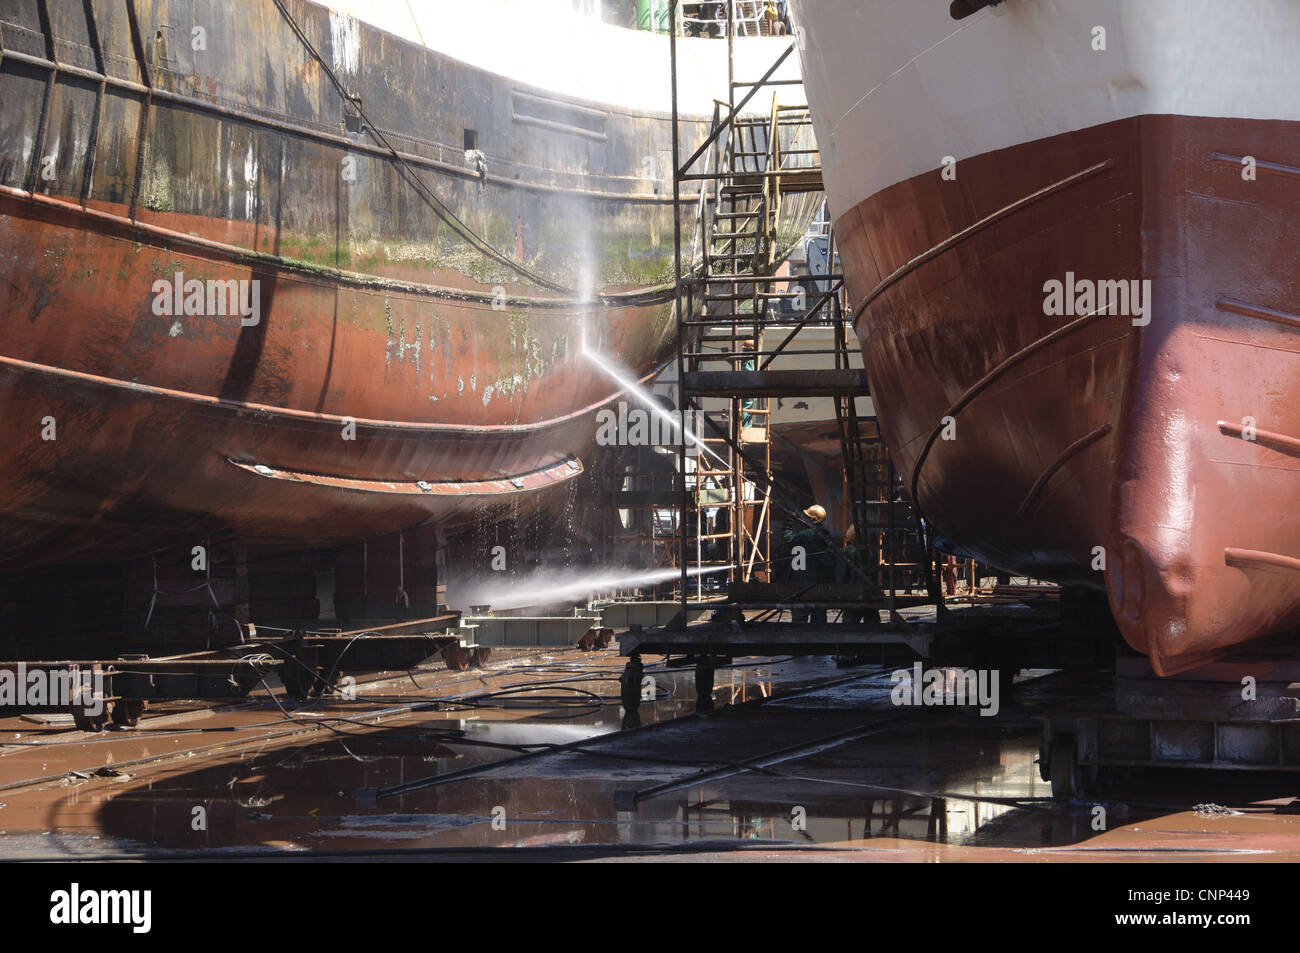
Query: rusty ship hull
pixel 265 438
pixel 434 243
pixel 1151 454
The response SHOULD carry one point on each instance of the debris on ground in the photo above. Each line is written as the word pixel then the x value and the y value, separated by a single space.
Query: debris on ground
pixel 1214 810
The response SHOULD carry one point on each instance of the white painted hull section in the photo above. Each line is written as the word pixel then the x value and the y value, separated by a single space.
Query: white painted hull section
pixel 897 85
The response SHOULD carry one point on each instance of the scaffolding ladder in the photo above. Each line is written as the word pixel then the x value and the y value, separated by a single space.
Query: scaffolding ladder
pixel 737 314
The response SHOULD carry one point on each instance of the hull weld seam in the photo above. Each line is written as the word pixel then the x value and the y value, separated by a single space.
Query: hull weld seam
pixel 1277 168
pixel 959 237
pixel 983 383
pixel 1268 438
pixel 1254 558
pixel 1066 455
pixel 170 240
pixel 289 413
pixel 1258 311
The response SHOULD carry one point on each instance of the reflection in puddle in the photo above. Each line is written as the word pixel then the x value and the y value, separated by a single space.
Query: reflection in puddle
pixel 302 792
pixel 930 785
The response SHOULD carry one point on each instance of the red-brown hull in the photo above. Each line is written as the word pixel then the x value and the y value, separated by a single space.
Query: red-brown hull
pixel 152 415
pixel 1083 434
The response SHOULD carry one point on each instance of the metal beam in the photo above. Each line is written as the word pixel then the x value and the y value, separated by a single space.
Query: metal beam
pixel 731 116
pixel 783 383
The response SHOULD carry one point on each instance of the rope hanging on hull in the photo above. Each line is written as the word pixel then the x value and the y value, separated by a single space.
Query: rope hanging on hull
pixel 439 207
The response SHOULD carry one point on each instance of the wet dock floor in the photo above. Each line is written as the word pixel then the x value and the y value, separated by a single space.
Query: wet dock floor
pixel 800 759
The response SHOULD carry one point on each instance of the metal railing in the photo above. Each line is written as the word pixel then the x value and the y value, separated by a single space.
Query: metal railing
pixel 718 19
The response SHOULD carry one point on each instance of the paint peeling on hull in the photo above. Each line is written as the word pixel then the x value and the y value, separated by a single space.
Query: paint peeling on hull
pixel 378 305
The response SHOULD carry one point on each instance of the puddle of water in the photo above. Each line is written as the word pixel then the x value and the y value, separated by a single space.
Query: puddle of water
pixel 949 791
pixel 300 793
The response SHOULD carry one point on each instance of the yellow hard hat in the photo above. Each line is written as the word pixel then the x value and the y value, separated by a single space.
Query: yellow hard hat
pixel 815 512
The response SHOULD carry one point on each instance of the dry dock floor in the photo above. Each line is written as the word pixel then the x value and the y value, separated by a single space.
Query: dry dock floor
pixel 801 761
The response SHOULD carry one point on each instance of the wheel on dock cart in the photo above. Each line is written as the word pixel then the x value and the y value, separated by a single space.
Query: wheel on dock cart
pixel 456 657
pixel 85 720
pixel 297 678
pixel 1063 767
pixel 704 685
pixel 127 712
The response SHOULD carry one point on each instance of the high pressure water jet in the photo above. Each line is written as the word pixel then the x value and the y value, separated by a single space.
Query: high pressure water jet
pixel 633 387
pixel 546 587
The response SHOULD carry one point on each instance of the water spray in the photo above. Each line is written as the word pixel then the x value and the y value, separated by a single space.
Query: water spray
pixel 633 387
pixel 543 588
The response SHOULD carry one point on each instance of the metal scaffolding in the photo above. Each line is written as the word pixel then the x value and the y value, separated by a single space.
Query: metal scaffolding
pixel 736 314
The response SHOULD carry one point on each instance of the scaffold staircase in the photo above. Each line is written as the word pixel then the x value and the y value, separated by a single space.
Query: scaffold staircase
pixel 735 296
pixel 737 313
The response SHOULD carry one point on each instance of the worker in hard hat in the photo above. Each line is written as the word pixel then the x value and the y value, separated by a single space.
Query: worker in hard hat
pixel 812 556
pixel 772 13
